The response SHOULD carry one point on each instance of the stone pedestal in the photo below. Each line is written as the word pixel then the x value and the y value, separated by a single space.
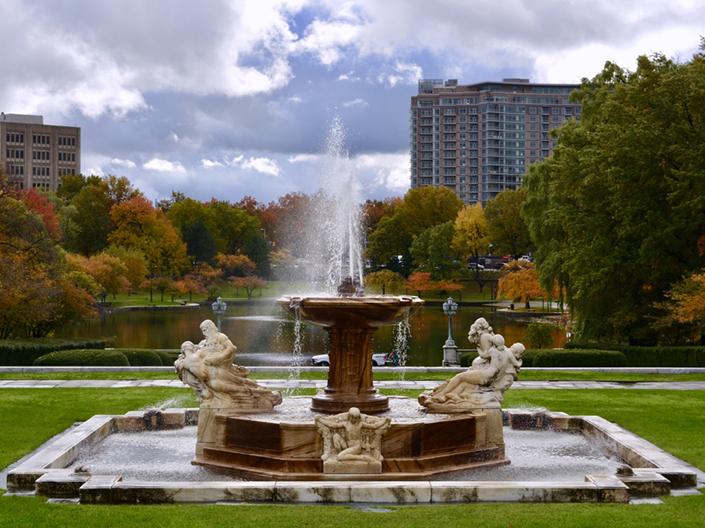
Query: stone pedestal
pixel 350 381
pixel 450 355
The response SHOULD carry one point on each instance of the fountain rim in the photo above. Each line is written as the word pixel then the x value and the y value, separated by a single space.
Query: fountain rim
pixel 335 300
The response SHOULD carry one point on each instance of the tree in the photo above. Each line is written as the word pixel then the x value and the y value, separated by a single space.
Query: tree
pixel 506 227
pixel 135 264
pixel 420 209
pixel 92 220
pixel 420 281
pixel 470 237
pixel 189 285
pixel 683 311
pixel 374 210
pixel 197 226
pixel 39 292
pixel 108 271
pixel 249 284
pixel 235 265
pixel 519 282
pixel 432 251
pixel 139 226
pixel 384 280
pixel 616 213
pixel 39 204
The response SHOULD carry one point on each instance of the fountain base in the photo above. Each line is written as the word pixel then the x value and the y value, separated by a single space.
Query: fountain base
pixel 286 446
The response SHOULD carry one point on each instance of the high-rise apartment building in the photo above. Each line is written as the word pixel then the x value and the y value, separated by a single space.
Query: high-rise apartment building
pixel 478 139
pixel 36 155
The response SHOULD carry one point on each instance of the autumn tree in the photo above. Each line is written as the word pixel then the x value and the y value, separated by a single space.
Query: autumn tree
pixel 519 282
pixel 108 272
pixel 683 311
pixel 470 238
pixel 39 292
pixel 384 280
pixel 420 281
pixel 139 226
pixel 135 264
pixel 39 204
pixel 420 209
pixel 189 285
pixel 616 213
pixel 506 227
pixel 249 284
pixel 235 265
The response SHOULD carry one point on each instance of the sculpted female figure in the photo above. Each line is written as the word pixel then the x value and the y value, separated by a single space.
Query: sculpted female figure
pixel 208 368
pixel 484 383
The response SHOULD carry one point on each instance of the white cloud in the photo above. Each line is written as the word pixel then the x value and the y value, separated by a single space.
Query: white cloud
pixel 162 165
pixel 295 99
pixel 261 165
pixel 304 158
pixel 327 39
pixel 129 164
pixel 404 73
pixel 390 171
pixel 355 103
pixel 209 164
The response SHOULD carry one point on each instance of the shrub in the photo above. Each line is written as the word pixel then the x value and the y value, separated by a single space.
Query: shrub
pixel 141 357
pixel 167 358
pixel 654 356
pixel 24 352
pixel 83 358
pixel 574 358
pixel 540 335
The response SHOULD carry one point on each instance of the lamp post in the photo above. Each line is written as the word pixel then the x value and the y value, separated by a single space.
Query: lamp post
pixel 450 349
pixel 219 307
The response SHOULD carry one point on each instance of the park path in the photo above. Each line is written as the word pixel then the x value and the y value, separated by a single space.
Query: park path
pixel 320 384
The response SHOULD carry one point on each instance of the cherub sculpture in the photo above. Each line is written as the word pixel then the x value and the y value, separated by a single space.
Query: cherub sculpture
pixel 482 385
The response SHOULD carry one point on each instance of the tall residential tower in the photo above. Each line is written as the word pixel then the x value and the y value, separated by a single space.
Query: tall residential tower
pixel 36 155
pixel 478 139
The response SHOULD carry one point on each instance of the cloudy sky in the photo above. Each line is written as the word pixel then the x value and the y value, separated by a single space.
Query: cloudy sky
pixel 227 98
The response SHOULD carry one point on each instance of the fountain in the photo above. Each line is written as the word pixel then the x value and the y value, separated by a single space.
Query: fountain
pixel 457 426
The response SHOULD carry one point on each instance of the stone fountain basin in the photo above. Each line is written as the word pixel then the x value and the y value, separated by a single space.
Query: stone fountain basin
pixel 50 471
pixel 371 311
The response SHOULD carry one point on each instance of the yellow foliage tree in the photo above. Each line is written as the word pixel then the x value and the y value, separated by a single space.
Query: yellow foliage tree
pixel 685 307
pixel 471 235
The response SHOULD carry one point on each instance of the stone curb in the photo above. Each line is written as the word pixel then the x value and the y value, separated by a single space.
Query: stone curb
pixel 655 474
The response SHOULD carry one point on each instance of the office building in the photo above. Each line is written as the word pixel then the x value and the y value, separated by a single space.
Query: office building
pixel 35 155
pixel 478 139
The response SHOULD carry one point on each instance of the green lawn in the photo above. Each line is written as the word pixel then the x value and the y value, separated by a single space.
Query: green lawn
pixel 671 419
pixel 527 375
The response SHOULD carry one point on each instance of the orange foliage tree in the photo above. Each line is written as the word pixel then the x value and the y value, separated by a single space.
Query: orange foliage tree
pixel 684 309
pixel 519 282
pixel 249 284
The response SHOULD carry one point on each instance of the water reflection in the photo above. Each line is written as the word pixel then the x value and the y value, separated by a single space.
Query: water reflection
pixel 265 335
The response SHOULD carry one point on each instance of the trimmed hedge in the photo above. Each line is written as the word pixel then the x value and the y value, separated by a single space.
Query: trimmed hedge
pixel 560 357
pixel 142 357
pixel 22 353
pixel 83 358
pixel 652 356
pixel 167 358
pixel 574 358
